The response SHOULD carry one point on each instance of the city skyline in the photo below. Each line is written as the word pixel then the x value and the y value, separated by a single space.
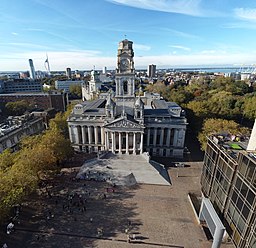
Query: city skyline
pixel 168 33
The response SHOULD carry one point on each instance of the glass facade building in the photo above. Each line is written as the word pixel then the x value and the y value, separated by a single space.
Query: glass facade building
pixel 229 181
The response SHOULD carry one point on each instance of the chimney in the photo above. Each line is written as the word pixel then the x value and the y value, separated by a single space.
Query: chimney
pixel 252 141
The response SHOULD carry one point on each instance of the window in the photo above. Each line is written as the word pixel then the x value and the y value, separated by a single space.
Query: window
pixel 238 183
pixel 245 212
pixel 244 190
pixel 250 197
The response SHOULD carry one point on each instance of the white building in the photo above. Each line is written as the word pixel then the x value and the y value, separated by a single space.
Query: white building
pixel 120 122
pixel 90 90
pixel 65 84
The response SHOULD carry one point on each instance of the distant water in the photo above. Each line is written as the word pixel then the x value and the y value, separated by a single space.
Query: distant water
pixel 211 70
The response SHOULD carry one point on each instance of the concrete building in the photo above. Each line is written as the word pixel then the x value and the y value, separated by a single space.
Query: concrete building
pixel 65 84
pixel 16 128
pixel 104 70
pixel 20 85
pixel 120 122
pixel 229 182
pixel 68 73
pixel 151 72
pixel 32 69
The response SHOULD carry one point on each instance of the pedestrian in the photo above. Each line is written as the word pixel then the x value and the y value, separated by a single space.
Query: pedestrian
pixel 91 220
pixel 128 239
pixel 4 245
pixel 10 227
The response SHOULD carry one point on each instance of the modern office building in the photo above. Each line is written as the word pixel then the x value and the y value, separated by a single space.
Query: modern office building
pixel 32 69
pixel 64 85
pixel 104 70
pixel 229 181
pixel 122 122
pixel 68 73
pixel 20 85
pixel 151 72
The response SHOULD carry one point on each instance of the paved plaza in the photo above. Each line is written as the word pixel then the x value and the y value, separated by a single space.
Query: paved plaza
pixel 126 170
pixel 97 212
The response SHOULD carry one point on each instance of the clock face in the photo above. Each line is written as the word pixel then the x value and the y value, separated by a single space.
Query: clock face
pixel 124 64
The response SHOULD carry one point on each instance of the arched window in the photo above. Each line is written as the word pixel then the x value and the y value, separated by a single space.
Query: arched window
pixel 125 87
pixel 138 114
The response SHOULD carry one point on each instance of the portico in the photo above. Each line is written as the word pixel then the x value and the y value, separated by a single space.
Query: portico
pixel 124 142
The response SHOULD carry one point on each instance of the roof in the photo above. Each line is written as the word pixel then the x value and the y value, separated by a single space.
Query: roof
pixel 154 112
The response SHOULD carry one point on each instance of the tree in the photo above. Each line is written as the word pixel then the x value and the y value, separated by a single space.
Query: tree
pixel 16 108
pixel 250 107
pixel 6 159
pixel 75 90
pixel 214 126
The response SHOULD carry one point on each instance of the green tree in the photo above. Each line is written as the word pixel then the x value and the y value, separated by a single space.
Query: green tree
pixel 6 159
pixel 214 126
pixel 16 108
pixel 75 90
pixel 250 107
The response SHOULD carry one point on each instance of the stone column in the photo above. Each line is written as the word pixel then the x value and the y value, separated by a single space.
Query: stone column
pixel 70 129
pixel 112 137
pixel 107 140
pixel 148 138
pixel 83 134
pixel 89 135
pixel 175 139
pixel 134 143
pixel 155 136
pixel 96 135
pixel 168 137
pixel 141 143
pixel 162 137
pixel 76 134
pixel 127 143
pixel 102 135
pixel 120 140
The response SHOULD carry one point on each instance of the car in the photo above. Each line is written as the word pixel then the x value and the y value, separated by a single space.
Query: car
pixel 179 165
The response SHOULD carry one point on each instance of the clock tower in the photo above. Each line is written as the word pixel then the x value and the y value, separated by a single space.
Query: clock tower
pixel 125 75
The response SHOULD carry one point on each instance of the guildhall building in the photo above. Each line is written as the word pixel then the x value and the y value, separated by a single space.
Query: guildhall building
pixel 121 122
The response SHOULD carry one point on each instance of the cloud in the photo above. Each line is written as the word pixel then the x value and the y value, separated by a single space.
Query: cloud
pixel 186 7
pixel 27 45
pixel 179 33
pixel 181 47
pixel 245 14
pixel 141 47
pixel 13 33
pixel 86 59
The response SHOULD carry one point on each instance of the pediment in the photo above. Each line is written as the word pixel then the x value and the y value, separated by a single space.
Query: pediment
pixel 124 123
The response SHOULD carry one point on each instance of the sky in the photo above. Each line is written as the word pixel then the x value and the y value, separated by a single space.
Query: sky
pixel 81 34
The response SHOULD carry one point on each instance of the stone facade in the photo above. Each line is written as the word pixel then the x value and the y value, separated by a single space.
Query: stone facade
pixel 121 122
pixel 12 132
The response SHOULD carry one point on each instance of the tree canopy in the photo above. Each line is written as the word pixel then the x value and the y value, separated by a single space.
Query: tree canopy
pixel 20 171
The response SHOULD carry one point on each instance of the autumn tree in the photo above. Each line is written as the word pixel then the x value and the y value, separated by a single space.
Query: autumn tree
pixel 16 108
pixel 75 90
pixel 214 126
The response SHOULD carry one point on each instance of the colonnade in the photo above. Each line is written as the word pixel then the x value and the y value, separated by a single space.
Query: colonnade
pixel 160 136
pixel 124 141
pixel 115 141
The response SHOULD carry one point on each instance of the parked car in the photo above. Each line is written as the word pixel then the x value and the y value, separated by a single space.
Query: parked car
pixel 179 165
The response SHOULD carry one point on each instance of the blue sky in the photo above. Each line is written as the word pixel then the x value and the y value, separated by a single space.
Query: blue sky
pixel 83 33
